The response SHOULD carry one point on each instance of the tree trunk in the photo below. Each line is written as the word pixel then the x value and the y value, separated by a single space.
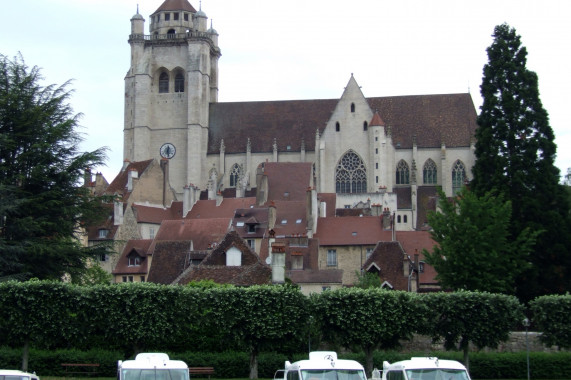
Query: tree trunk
pixel 253 363
pixel 369 361
pixel 25 355
pixel 466 348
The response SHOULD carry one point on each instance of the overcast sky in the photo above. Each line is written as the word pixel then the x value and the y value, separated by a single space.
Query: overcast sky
pixel 297 49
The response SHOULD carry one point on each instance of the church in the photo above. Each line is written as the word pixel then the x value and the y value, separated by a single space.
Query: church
pixel 310 191
pixel 360 147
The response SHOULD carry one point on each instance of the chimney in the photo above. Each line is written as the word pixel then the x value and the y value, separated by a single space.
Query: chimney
pixel 117 213
pixel 278 263
pixel 186 201
pixel 219 198
pixel 272 214
pixel 87 177
pixel 133 174
pixel 125 165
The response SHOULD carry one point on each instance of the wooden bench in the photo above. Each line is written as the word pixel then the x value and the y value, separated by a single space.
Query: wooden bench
pixel 80 368
pixel 201 371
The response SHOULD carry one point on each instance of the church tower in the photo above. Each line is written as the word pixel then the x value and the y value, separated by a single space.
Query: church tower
pixel 172 79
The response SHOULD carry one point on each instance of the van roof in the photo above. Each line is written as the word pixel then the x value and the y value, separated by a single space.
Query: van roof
pixel 323 360
pixel 153 360
pixel 15 372
pixel 423 363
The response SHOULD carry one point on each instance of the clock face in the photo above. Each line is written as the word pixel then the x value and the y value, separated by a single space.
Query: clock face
pixel 168 150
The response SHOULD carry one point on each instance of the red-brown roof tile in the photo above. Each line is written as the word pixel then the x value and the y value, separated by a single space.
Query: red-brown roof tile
pixel 351 230
pixel 226 209
pixel 413 242
pixel 288 181
pixel 389 257
pixel 139 246
pixel 202 232
pixel 155 214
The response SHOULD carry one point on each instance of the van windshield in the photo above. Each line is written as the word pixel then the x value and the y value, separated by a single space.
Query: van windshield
pixel 333 374
pixel 437 374
pixel 155 374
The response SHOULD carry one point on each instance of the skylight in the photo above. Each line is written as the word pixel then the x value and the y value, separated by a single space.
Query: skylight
pixel 240 224
pixel 298 221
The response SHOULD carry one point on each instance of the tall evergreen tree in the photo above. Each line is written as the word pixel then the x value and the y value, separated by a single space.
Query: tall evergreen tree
pixel 42 202
pixel 515 153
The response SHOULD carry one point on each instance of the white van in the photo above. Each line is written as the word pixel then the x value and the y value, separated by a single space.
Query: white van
pixel 11 374
pixel 425 369
pixel 322 365
pixel 152 366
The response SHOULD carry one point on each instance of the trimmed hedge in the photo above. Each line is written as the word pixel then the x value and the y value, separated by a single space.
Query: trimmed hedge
pixel 483 365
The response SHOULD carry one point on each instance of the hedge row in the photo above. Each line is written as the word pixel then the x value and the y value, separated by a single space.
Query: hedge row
pixel 483 365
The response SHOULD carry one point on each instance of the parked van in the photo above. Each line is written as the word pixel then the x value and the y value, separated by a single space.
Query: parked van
pixel 11 374
pixel 322 365
pixel 152 366
pixel 425 369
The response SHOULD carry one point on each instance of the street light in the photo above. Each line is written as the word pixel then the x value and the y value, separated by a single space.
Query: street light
pixel 526 324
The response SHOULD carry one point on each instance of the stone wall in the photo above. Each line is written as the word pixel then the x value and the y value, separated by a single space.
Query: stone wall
pixel 516 343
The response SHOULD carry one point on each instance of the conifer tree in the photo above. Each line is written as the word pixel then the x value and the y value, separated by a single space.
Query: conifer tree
pixel 42 202
pixel 515 155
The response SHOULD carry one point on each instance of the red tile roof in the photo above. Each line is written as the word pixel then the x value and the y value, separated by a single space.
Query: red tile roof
pixel 330 200
pixel 226 209
pixel 414 242
pixel 288 181
pixel 291 218
pixel 140 246
pixel 202 232
pixel 351 230
pixel 309 276
pixel 156 214
pixel 170 259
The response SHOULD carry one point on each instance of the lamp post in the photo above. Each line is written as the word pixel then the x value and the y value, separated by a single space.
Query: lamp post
pixel 526 324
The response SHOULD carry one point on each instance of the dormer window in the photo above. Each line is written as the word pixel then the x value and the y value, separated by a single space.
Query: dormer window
pixel 103 233
pixel 251 228
pixel 134 260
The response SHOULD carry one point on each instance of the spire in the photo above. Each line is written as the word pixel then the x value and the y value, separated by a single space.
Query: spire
pixel 376 121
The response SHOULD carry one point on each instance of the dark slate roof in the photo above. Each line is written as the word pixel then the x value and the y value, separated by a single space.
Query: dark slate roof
pixel 404 200
pixel 213 267
pixel 388 256
pixel 308 276
pixel 175 5
pixel 170 259
pixel 433 119
pixel 427 198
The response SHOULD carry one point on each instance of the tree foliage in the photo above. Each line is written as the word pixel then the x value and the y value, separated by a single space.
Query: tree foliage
pixel 474 250
pixel 42 204
pixel 366 319
pixel 367 280
pixel 551 316
pixel 480 318
pixel 515 153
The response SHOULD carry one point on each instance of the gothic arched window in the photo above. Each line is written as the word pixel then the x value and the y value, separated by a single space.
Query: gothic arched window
pixel 235 175
pixel 350 174
pixel 458 176
pixel 163 83
pixel 429 173
pixel 403 173
pixel 179 83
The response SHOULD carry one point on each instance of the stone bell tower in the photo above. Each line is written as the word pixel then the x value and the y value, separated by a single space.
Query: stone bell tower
pixel 172 79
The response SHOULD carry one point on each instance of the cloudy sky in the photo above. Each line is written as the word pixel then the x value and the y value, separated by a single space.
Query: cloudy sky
pixel 297 49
